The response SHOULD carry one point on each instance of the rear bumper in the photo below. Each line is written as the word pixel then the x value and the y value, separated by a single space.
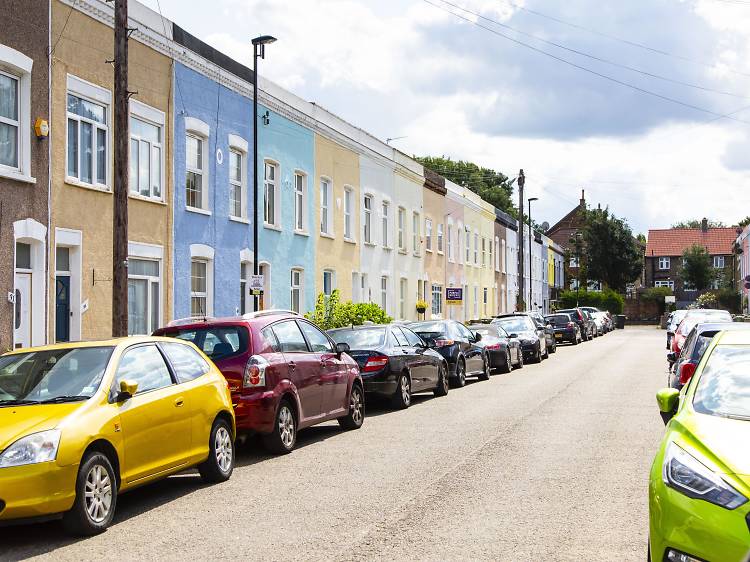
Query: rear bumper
pixel 382 384
pixel 497 358
pixel 36 490
pixel 254 412
pixel 565 335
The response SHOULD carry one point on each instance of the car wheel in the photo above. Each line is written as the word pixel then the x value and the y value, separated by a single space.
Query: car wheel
pixel 284 436
pixel 508 367
pixel 96 497
pixel 443 384
pixel 546 352
pixel 519 365
pixel 538 355
pixel 356 416
pixel 485 376
pixel 401 399
pixel 460 379
pixel 220 463
pixel 553 349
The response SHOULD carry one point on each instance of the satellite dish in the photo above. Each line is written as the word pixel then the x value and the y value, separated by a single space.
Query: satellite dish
pixel 545 226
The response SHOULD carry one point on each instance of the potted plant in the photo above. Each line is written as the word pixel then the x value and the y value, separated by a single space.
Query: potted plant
pixel 421 306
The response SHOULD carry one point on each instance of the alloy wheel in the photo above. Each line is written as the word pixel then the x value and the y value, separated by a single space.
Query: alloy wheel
pixel 286 426
pixel 508 362
pixel 98 493
pixel 405 390
pixel 356 406
pixel 223 449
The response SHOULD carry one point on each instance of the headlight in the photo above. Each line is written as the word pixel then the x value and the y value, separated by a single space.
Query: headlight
pixel 686 474
pixel 32 449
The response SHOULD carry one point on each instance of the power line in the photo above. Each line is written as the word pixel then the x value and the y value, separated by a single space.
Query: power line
pixel 65 25
pixel 586 69
pixel 626 41
pixel 597 58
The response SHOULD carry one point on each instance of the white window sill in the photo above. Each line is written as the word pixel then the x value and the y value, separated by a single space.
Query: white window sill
pixel 16 175
pixel 417 254
pixel 388 248
pixel 327 235
pixel 350 240
pixel 301 232
pixel 198 211
pixel 272 227
pixel 77 183
pixel 428 250
pixel 403 252
pixel 146 199
pixel 239 219
pixel 440 253
pixel 370 244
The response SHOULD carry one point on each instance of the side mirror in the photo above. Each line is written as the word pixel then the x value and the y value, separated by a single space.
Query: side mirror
pixel 667 399
pixel 671 357
pixel 342 347
pixel 128 389
pixel 477 337
pixel 514 336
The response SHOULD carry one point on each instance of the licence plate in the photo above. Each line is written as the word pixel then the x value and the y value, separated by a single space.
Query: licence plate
pixel 558 336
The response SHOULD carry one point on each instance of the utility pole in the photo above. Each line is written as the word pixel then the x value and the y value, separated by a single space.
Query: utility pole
pixel 122 166
pixel 531 258
pixel 520 306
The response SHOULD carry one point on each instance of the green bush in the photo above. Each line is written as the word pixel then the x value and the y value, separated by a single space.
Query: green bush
pixel 331 313
pixel 606 299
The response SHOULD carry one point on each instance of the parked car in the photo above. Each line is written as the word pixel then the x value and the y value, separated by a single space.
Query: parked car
pixel 549 331
pixel 673 320
pixel 394 362
pixel 533 338
pixel 692 318
pixel 566 330
pixel 599 319
pixel 700 478
pixel 284 373
pixel 503 351
pixel 583 320
pixel 692 351
pixel 458 345
pixel 81 423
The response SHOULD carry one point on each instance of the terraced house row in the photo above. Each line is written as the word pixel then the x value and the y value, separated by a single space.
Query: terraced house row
pixel 341 209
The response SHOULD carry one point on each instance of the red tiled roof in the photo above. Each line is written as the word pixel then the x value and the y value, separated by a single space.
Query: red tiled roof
pixel 673 241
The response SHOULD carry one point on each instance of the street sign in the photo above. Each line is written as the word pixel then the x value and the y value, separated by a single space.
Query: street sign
pixel 257 283
pixel 669 299
pixel 454 295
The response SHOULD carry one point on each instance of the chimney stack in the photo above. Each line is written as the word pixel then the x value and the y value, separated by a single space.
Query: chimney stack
pixel 704 224
pixel 583 198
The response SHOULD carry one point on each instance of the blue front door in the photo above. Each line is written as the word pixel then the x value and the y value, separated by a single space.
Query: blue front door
pixel 62 308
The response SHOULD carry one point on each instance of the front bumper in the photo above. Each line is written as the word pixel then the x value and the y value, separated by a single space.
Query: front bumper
pixel 36 490
pixel 255 412
pixel 530 349
pixel 695 527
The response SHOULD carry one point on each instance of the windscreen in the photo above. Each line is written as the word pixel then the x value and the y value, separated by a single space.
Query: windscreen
pixel 724 387
pixel 360 339
pixel 514 324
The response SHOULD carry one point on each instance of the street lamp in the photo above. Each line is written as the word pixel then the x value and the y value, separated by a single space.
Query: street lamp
pixel 531 262
pixel 259 50
pixel 520 306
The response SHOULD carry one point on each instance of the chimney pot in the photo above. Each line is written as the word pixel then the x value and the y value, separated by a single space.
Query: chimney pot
pixel 704 224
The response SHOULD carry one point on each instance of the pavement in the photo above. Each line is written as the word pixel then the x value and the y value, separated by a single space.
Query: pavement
pixel 549 462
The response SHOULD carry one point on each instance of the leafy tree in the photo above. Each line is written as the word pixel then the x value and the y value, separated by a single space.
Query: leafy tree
pixel 696 223
pixel 611 254
pixel 697 268
pixel 744 222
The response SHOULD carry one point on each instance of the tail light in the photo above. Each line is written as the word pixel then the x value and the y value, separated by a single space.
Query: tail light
pixel 687 370
pixel 493 346
pixel 444 342
pixel 375 363
pixel 255 372
pixel 580 315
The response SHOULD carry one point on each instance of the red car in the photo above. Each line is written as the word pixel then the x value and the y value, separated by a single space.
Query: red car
pixel 284 373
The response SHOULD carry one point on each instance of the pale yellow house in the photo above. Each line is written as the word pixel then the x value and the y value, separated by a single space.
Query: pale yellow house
pixel 337 204
pixel 435 245
pixel 82 176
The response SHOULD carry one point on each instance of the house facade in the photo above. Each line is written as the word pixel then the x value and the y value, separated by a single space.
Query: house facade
pixel 24 175
pixel 564 234
pixel 435 245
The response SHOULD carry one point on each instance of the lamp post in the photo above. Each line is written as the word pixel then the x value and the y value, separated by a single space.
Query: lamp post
pixel 531 262
pixel 520 306
pixel 259 50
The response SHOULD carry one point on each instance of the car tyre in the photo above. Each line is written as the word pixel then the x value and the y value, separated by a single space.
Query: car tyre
pixel 487 370
pixel 443 383
pixel 220 463
pixel 546 353
pixel 356 415
pixel 283 438
pixel 519 365
pixel 401 399
pixel 460 379
pixel 508 366
pixel 96 497
pixel 553 349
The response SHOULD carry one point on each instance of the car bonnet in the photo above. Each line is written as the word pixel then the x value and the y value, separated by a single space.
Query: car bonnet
pixel 20 421
pixel 726 439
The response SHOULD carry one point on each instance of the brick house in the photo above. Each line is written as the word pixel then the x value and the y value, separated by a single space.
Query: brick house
pixel 663 259
pixel 563 233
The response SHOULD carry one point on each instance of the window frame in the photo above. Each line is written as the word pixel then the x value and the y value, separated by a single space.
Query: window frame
pixel 150 280
pixel 664 263
pixel 299 287
pixel 348 214
pixel 367 218
pixel 239 146
pixel 440 241
pixel 401 229
pixel 332 274
pixel 437 303
pixel 102 97
pixel 450 248
pixel 717 260
pixel 157 118
pixel 269 163
pixel 201 132
pixel 385 217
pixel 300 202
pixel 384 292
pixel 326 210
pixel 416 236
pixel 14 123
pixel 428 234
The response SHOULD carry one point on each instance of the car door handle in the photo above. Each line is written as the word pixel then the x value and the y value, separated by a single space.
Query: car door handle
pixel 292 365
pixel 179 403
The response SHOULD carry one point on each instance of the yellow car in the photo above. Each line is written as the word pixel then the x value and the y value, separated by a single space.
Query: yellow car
pixel 82 422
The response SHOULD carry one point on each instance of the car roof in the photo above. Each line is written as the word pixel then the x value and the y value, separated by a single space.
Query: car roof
pixel 733 337
pixel 112 342
pixel 264 317
pixel 720 326
pixel 361 327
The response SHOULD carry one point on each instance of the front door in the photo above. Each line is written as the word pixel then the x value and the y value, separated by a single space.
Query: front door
pixel 22 320
pixel 62 308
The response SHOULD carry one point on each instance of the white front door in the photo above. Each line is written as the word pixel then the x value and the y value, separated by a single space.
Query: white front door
pixel 22 320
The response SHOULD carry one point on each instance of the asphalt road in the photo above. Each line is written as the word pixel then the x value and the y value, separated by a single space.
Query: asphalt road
pixel 545 463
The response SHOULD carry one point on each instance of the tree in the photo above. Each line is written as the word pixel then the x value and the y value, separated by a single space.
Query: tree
pixel 697 268
pixel 697 223
pixel 744 222
pixel 611 253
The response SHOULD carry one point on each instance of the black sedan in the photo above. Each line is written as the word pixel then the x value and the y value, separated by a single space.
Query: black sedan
pixel 503 351
pixel 394 362
pixel 459 346
pixel 532 338
pixel 566 330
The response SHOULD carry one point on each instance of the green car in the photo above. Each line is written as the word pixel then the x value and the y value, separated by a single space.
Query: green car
pixel 699 508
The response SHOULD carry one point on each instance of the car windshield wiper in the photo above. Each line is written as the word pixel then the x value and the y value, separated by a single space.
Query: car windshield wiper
pixel 59 399
pixel 18 402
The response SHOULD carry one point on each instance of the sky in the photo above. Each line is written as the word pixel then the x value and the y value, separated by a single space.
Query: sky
pixel 645 104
